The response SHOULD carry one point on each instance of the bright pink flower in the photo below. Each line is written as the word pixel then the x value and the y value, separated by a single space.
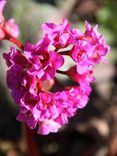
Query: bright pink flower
pixel 89 49
pixel 48 126
pixel 53 29
pixel 44 62
pixel 12 28
pixel 7 26
pixel 27 71
pixel 14 57
pixel 59 35
pixel 18 79
pixel 86 77
pixel 97 41
pixel 15 77
pixel 49 111
pixel 79 55
pixel 40 108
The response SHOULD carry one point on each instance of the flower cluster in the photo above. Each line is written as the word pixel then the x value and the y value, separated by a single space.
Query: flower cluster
pixel 7 26
pixel 35 64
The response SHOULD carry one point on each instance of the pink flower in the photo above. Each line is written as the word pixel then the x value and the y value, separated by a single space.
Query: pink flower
pixel 48 126
pixel 53 29
pixel 59 35
pixel 12 28
pixel 15 77
pixel 89 49
pixel 7 26
pixel 38 107
pixel 49 111
pixel 86 77
pixel 14 57
pixel 79 55
pixel 36 63
pixel 98 42
pixel 44 62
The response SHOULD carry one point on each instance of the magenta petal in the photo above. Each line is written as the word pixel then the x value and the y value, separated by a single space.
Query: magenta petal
pixel 48 27
pixel 48 126
pixel 31 122
pixel 81 69
pixel 21 117
pixel 83 102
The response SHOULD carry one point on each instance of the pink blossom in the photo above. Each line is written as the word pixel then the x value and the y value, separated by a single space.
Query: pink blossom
pixel 49 111
pixel 89 49
pixel 7 26
pixel 48 126
pixel 40 108
pixel 59 35
pixel 12 28
pixel 98 41
pixel 36 63
pixel 79 55
pixel 44 62
pixel 15 77
pixel 53 29
pixel 14 57
pixel 86 77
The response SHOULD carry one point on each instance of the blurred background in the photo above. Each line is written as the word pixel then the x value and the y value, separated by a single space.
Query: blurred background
pixel 93 131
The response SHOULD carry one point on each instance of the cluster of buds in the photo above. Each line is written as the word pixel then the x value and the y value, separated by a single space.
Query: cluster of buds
pixel 34 64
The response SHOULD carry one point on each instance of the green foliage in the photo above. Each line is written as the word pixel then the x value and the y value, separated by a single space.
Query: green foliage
pixel 107 19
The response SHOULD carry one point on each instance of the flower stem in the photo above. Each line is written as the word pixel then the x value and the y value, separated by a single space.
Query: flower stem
pixel 16 42
pixel 31 142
